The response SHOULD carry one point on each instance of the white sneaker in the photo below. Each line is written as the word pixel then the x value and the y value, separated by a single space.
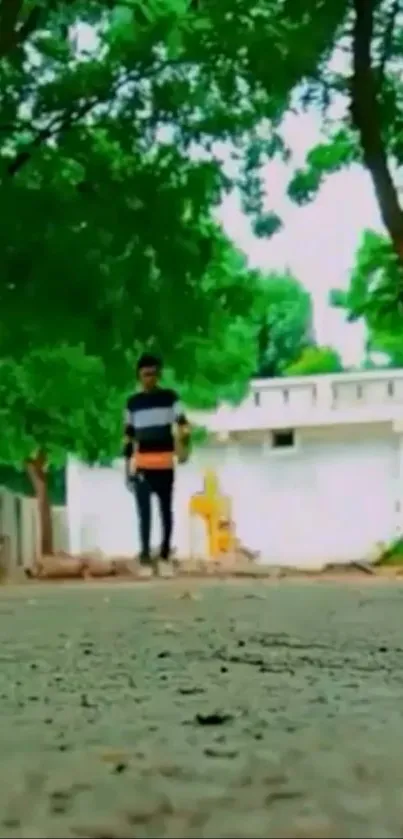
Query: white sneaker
pixel 144 572
pixel 165 569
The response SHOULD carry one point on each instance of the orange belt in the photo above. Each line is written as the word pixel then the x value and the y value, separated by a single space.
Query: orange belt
pixel 152 460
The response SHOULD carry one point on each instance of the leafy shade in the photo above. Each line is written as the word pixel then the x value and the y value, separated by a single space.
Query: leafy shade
pixel 327 158
pixel 366 94
pixel 107 164
pixel 286 323
pixel 57 402
pixel 375 296
pixel 316 361
pixel 375 293
pixel 109 169
pixel 220 366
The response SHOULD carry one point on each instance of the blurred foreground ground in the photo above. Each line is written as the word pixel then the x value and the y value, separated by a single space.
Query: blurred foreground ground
pixel 202 709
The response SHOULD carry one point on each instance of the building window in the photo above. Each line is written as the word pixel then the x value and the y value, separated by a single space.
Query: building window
pixel 256 398
pixel 284 439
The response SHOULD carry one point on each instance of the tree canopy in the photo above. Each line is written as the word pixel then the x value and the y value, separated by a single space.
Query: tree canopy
pixel 111 116
pixel 109 171
pixel 52 402
pixel 108 161
pixel 285 323
pixel 108 207
pixel 54 398
pixel 363 86
pixel 372 299
pixel 316 361
pixel 104 135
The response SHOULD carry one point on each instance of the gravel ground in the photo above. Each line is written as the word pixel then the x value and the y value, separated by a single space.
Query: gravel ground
pixel 202 710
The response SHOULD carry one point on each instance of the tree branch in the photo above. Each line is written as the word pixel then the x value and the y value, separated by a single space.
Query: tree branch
pixel 56 127
pixel 10 11
pixel 30 24
pixel 60 125
pixel 12 34
pixel 388 39
pixel 366 117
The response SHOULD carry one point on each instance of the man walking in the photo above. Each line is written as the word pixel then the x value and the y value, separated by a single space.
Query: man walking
pixel 152 414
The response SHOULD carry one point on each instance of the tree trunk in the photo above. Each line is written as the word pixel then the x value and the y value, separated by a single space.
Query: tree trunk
pixel 36 468
pixel 13 30
pixel 10 11
pixel 366 117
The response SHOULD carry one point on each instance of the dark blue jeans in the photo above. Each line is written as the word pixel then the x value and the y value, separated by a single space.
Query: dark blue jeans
pixel 159 482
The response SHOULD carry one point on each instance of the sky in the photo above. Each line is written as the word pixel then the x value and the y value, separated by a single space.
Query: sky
pixel 318 242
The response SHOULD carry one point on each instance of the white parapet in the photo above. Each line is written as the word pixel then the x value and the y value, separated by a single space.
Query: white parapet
pixel 344 398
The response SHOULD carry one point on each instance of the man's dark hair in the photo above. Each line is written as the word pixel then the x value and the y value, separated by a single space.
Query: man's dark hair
pixel 149 360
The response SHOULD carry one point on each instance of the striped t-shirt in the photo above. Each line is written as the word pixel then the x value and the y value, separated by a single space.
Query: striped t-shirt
pixel 150 417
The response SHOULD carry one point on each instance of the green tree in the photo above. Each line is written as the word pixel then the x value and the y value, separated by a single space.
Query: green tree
pixel 316 361
pixel 55 402
pixel 108 208
pixel 372 290
pixel 108 204
pixel 285 323
pixel 373 297
pixel 370 130
pixel 172 66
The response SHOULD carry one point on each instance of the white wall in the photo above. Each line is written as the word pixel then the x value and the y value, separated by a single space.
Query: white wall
pixel 19 523
pixel 102 512
pixel 330 499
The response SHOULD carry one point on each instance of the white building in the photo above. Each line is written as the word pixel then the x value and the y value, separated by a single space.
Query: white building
pixel 314 467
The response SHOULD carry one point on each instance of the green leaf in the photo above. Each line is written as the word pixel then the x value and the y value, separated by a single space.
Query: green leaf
pixel 267 225
pixel 316 361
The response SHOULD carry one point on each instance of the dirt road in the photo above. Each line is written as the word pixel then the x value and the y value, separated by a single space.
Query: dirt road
pixel 242 710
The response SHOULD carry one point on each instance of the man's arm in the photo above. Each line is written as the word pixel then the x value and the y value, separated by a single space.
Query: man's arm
pixel 129 438
pixel 182 432
pixel 180 419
